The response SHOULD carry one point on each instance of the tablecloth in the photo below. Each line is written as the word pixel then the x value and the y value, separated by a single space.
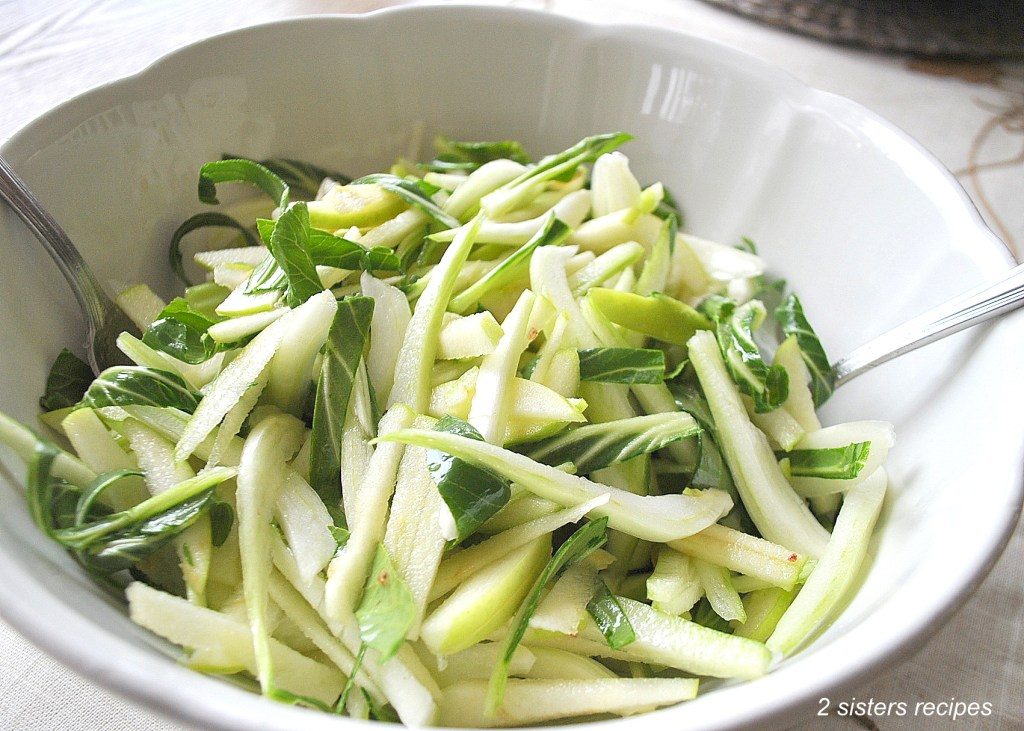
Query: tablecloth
pixel 969 115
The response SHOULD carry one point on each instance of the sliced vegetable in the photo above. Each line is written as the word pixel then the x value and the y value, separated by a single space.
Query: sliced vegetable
pixel 790 315
pixel 622 365
pixel 597 446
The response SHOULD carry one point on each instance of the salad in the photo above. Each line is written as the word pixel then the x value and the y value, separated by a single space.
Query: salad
pixel 474 442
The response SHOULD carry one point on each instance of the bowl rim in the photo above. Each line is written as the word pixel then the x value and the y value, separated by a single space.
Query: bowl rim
pixel 231 708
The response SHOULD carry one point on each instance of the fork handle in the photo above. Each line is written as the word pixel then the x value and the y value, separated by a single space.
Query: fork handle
pixel 977 305
pixel 90 295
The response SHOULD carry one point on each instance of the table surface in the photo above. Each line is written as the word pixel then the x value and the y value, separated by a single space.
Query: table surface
pixel 970 115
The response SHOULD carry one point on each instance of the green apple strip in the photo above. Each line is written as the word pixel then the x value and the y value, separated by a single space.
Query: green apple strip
pixel 262 469
pixel 836 570
pixel 192 627
pixel 530 702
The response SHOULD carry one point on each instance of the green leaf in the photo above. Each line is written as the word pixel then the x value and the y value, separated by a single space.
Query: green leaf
pixel 303 178
pixel 202 220
pixel 609 617
pixel 66 383
pixel 240 170
pixel 453 155
pixel 576 548
pixel 767 385
pixel 596 446
pixel 346 341
pixel 140 386
pixel 413 191
pixel 835 463
pixel 289 245
pixel 790 315
pixel 124 548
pixel 108 543
pixel 42 488
pixel 387 609
pixel 326 249
pixel 622 365
pixel 668 209
pixel 472 494
pixel 222 517
pixel 554 233
pixel 181 332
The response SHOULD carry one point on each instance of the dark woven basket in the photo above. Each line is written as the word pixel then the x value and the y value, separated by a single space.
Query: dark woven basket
pixel 950 28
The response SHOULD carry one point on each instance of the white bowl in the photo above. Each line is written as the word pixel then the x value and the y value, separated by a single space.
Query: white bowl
pixel 866 226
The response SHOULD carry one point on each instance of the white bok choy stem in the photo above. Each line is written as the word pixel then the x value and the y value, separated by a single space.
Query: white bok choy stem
pixel 572 209
pixel 653 518
pixel 391 317
pixel 745 554
pixel 416 357
pixel 413 537
pixel 779 513
pixel 489 411
pixel 270 444
pixel 23 441
pixel 347 572
pixel 837 568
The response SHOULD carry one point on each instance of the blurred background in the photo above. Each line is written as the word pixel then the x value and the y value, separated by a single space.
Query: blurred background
pixel 949 72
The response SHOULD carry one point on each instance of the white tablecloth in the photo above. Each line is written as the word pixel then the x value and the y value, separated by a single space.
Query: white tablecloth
pixel 970 115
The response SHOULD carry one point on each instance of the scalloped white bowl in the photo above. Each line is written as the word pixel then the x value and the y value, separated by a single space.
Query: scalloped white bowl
pixel 865 225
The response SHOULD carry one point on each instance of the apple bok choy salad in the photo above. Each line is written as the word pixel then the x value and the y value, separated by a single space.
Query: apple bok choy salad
pixel 475 442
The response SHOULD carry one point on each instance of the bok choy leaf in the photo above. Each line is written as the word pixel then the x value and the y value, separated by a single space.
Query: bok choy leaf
pixel 387 609
pixel 241 170
pixel 302 178
pixel 790 315
pixel 578 546
pixel 596 446
pixel 837 463
pixel 609 617
pixel 67 382
pixel 139 386
pixel 471 493
pixel 767 385
pixel 289 245
pixel 622 365
pixel 453 155
pixel 346 342
pixel 182 332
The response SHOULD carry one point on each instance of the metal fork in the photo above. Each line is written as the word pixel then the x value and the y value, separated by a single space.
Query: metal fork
pixel 105 320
